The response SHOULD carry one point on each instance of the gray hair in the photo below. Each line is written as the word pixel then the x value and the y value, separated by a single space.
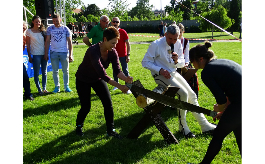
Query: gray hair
pixel 104 16
pixel 116 18
pixel 173 29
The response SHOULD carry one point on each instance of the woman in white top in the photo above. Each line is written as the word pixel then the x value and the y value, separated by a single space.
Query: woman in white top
pixel 35 46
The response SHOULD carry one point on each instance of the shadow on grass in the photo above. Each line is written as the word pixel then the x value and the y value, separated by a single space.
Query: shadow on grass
pixel 98 147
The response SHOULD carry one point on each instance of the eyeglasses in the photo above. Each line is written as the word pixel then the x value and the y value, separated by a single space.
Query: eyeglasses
pixel 105 21
pixel 115 22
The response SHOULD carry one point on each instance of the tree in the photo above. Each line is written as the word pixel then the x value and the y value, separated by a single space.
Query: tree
pixel 118 8
pixel 235 13
pixel 91 9
pixel 187 13
pixel 217 15
pixel 142 9
pixel 82 19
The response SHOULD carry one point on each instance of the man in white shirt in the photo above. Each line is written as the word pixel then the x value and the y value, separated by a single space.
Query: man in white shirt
pixel 162 58
pixel 60 38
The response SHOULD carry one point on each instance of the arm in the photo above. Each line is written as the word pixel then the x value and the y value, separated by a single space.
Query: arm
pixel 181 60
pixel 70 46
pixel 28 48
pixel 123 88
pixel 86 41
pixel 128 50
pixel 47 45
pixel 186 54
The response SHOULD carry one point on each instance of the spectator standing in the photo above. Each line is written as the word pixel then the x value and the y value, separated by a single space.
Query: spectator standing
pixel 96 33
pixel 91 73
pixel 60 38
pixel 160 28
pixel 165 28
pixel 26 82
pixel 35 47
pixel 123 48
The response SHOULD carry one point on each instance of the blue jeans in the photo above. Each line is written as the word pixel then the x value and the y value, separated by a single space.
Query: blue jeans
pixel 63 57
pixel 40 62
pixel 124 66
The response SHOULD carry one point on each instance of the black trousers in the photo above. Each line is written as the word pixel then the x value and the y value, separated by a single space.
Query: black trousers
pixel 102 91
pixel 231 121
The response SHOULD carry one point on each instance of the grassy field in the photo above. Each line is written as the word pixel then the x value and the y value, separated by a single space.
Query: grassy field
pixel 49 123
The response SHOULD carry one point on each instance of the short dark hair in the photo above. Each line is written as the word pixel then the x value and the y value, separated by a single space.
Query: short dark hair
pixel 201 51
pixel 110 33
pixel 56 16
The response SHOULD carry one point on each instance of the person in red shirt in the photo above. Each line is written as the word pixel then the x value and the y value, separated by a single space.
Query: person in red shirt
pixel 123 48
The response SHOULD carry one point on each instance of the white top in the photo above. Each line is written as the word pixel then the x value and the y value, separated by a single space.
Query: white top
pixel 59 37
pixel 186 51
pixel 159 56
pixel 36 43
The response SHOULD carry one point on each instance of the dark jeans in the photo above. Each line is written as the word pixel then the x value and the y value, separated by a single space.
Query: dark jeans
pixel 124 66
pixel 102 91
pixel 26 83
pixel 231 121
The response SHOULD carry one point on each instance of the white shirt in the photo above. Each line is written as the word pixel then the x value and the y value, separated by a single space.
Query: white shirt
pixel 36 43
pixel 159 56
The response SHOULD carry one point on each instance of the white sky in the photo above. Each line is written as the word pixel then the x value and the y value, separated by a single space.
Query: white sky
pixel 132 3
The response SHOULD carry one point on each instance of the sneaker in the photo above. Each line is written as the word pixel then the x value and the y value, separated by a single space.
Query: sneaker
pixel 30 98
pixel 79 131
pixel 114 134
pixel 129 92
pixel 56 90
pixel 68 89
pixel 115 88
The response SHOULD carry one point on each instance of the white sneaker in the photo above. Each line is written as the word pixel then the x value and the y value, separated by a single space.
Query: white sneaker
pixel 115 88
pixel 129 92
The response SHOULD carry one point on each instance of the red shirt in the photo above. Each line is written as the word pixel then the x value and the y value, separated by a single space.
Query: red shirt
pixel 93 66
pixel 121 45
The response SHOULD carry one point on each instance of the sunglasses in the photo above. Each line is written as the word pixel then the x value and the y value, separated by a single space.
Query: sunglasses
pixel 115 22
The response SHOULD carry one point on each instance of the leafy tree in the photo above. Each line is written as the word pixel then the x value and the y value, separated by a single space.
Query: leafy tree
pixel 187 13
pixel 118 8
pixel 235 13
pixel 91 9
pixel 142 9
pixel 217 15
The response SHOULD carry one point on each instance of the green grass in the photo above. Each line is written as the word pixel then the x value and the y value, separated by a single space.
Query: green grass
pixel 49 123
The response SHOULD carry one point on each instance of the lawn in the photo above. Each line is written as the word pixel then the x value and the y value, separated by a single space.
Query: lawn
pixel 49 123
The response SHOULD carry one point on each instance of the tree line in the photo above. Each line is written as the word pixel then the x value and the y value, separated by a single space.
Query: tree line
pixel 225 13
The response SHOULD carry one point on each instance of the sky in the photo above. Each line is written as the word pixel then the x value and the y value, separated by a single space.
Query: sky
pixel 132 3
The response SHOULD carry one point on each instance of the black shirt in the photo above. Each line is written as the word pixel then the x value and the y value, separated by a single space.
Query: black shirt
pixel 224 78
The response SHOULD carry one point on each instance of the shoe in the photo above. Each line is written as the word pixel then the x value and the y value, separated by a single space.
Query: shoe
pixel 45 92
pixel 115 88
pixel 79 131
pixel 210 132
pixel 189 135
pixel 68 89
pixel 56 90
pixel 114 134
pixel 30 98
pixel 129 92
pixel 40 93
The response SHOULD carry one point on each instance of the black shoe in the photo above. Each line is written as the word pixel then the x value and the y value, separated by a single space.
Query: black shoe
pixel 114 134
pixel 79 131
pixel 189 135
pixel 30 98
pixel 210 132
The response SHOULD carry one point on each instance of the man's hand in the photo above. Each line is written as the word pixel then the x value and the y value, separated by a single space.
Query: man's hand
pixel 127 59
pixel 175 57
pixel 46 57
pixel 165 73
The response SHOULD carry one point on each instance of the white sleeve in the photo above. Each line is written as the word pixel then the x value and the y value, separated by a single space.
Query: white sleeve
pixel 179 50
pixel 186 53
pixel 149 58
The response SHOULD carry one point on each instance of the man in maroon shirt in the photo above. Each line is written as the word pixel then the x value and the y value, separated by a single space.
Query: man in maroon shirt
pixel 123 48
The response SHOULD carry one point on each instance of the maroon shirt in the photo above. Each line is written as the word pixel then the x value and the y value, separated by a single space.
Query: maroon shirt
pixel 93 67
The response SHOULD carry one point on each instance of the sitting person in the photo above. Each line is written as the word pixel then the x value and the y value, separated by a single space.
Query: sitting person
pixel 91 74
pixel 163 63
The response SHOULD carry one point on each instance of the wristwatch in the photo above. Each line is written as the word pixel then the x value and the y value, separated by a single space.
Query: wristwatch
pixel 128 54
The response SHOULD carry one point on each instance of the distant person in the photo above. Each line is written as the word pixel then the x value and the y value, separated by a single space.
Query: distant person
pixel 160 28
pixel 162 61
pixel 164 28
pixel 61 43
pixel 89 27
pixel 70 26
pixel 123 48
pixel 224 79
pixel 96 33
pixel 36 47
pixel 91 73
pixel 26 82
